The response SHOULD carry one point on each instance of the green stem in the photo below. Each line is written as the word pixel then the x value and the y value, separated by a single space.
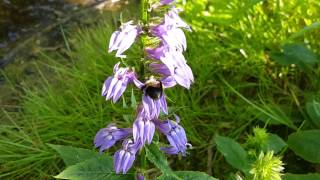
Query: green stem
pixel 144 20
pixel 144 11
pixel 143 160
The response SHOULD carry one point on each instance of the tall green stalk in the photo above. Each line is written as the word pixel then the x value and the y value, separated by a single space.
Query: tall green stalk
pixel 144 20
pixel 144 11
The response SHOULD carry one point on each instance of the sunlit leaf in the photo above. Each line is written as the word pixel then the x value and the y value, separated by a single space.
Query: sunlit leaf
pixel 98 168
pixel 306 29
pixel 72 155
pixel 293 53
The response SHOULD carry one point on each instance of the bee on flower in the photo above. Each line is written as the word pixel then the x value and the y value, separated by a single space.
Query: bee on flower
pixel 167 68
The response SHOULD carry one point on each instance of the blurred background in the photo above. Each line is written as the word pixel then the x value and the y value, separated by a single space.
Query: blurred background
pixel 256 64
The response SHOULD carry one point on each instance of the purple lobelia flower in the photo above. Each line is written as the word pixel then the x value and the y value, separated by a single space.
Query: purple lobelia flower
pixel 173 18
pixel 170 68
pixel 124 158
pixel 169 30
pixel 175 135
pixel 168 81
pixel 143 127
pixel 166 1
pixel 122 40
pixel 173 37
pixel 139 176
pixel 115 85
pixel 107 137
pixel 172 64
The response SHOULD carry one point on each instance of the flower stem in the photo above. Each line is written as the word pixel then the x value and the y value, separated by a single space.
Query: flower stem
pixel 144 11
pixel 144 20
pixel 143 160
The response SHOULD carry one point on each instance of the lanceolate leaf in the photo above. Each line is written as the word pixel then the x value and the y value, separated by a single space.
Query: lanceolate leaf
pixel 98 168
pixel 72 155
pixel 313 110
pixel 157 157
pixel 133 99
pixel 306 144
pixel 188 175
pixel 234 154
pixel 301 177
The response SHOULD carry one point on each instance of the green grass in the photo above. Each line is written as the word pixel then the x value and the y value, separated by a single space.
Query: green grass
pixel 232 92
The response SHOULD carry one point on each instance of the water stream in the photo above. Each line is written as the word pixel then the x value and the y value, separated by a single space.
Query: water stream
pixel 22 19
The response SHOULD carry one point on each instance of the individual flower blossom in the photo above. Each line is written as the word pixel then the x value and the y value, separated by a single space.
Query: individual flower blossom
pixel 180 74
pixel 173 18
pixel 168 81
pixel 143 127
pixel 173 64
pixel 107 137
pixel 139 176
pixel 173 37
pixel 267 166
pixel 164 2
pixel 175 135
pixel 159 68
pixel 157 52
pixel 115 85
pixel 169 30
pixel 124 158
pixel 122 40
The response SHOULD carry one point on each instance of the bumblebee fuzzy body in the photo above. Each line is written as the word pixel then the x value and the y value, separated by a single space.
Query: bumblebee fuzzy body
pixel 153 89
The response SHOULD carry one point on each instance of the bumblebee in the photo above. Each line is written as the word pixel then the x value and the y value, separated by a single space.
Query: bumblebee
pixel 153 88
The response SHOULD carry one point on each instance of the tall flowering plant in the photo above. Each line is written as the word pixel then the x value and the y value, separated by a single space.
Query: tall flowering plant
pixel 167 68
pixel 164 66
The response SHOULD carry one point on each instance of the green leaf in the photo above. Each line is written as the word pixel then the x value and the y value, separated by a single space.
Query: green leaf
pixel 133 99
pixel 313 110
pixel 294 54
pixel 289 176
pixel 188 175
pixel 157 157
pixel 124 103
pixel 279 58
pixel 298 53
pixel 72 155
pixel 97 168
pixel 306 144
pixel 306 29
pixel 274 143
pixel 234 154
